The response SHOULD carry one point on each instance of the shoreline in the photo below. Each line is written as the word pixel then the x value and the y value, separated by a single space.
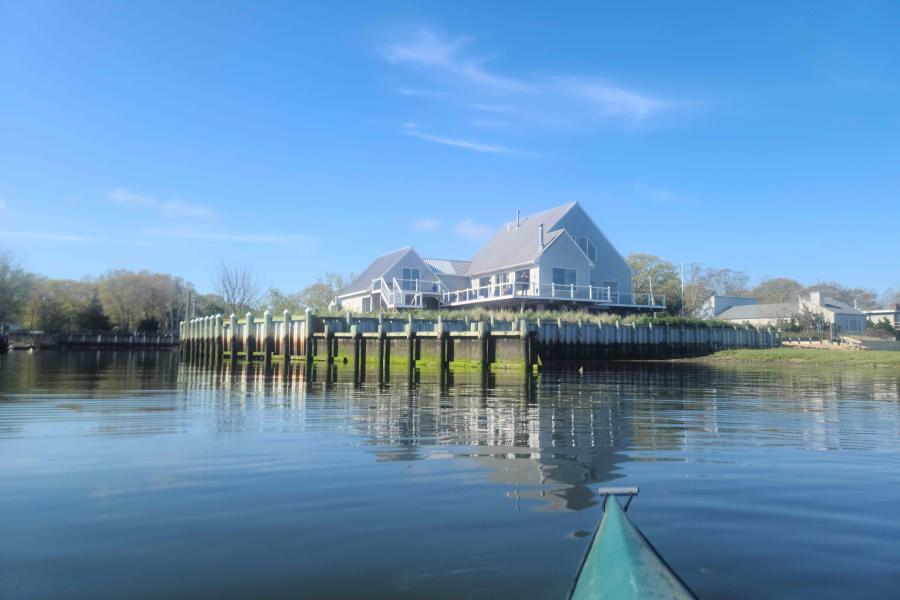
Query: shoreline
pixel 799 357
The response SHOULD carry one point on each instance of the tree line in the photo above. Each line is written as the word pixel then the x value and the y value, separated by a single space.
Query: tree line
pixel 701 282
pixel 147 302
pixel 140 301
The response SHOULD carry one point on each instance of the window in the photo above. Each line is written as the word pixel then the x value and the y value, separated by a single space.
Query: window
pixel 588 247
pixel 563 276
pixel 409 278
pixel 612 285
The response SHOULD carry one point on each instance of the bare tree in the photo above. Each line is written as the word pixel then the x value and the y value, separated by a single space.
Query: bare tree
pixel 239 287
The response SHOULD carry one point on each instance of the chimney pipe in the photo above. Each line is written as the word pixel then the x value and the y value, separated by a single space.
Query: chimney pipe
pixel 517 218
pixel 541 236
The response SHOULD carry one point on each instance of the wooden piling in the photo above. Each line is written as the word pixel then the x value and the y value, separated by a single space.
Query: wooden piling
pixel 219 343
pixel 232 342
pixel 329 345
pixel 309 342
pixel 382 362
pixel 268 340
pixel 286 341
pixel 250 339
pixel 357 352
pixel 411 347
pixel 484 340
pixel 525 341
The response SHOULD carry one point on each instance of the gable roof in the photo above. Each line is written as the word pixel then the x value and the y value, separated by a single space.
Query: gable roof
pixel 514 246
pixel 782 310
pixel 448 266
pixel 376 269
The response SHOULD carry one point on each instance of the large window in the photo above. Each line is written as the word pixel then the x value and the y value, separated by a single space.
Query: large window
pixel 409 278
pixel 563 276
pixel 588 247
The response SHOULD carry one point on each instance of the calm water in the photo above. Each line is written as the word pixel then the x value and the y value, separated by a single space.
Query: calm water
pixel 131 476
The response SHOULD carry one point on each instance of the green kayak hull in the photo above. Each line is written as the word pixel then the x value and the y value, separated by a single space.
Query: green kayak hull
pixel 621 564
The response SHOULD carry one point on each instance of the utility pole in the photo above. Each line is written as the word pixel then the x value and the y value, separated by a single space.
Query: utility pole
pixel 682 288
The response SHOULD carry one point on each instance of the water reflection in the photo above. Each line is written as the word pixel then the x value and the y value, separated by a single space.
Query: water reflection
pixel 552 437
pixel 134 475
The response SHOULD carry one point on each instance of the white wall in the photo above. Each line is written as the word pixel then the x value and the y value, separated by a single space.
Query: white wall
pixel 410 260
pixel 563 253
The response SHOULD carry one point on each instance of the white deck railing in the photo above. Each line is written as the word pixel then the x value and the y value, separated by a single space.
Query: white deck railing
pixel 405 293
pixel 549 291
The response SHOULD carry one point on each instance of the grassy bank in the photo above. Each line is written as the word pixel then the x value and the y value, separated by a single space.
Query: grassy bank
pixel 804 356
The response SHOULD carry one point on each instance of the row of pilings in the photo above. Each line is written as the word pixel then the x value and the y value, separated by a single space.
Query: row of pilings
pixel 371 350
pixel 378 344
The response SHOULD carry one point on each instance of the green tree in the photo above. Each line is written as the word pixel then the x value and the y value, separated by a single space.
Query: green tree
pixel 90 318
pixel 650 271
pixel 278 302
pixel 777 290
pixel 210 304
pixel 15 286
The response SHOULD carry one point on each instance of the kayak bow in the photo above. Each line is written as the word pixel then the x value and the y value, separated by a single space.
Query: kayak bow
pixel 621 563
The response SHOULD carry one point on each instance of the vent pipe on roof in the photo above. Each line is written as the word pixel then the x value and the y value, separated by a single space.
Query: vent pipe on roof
pixel 517 218
pixel 541 236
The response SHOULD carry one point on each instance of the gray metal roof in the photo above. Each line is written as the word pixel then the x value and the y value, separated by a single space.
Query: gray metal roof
pixel 783 310
pixel 513 246
pixel 842 307
pixel 378 268
pixel 448 266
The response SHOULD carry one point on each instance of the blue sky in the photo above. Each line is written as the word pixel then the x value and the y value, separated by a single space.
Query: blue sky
pixel 303 138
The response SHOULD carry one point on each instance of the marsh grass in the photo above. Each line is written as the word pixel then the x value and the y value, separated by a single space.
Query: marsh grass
pixel 805 356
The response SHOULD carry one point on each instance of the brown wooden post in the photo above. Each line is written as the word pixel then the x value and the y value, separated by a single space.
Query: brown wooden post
pixel 525 340
pixel 411 347
pixel 483 342
pixel 268 339
pixel 441 335
pixel 309 344
pixel 329 344
pixel 382 367
pixel 220 332
pixel 232 342
pixel 250 339
pixel 286 341
pixel 357 351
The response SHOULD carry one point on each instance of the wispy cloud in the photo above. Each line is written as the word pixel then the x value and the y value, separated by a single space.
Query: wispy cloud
pixel 171 209
pixel 52 236
pixel 472 231
pixel 425 224
pixel 189 235
pixel 158 237
pixel 411 130
pixel 48 236
pixel 430 52
pixel 457 77
pixel 611 100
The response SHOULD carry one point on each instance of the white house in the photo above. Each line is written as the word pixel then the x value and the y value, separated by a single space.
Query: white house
pixel 746 311
pixel 558 257
pixel 891 314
